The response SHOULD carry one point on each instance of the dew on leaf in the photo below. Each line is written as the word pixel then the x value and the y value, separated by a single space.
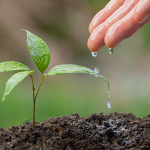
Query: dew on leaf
pixel 96 70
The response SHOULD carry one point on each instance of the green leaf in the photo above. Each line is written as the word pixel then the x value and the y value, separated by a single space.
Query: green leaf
pixel 12 66
pixel 71 68
pixel 14 80
pixel 39 51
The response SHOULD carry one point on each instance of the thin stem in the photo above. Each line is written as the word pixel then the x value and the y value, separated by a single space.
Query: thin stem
pixel 35 96
pixel 33 88
pixel 33 122
pixel 43 77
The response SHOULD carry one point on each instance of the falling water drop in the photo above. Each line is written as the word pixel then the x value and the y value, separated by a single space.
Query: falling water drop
pixel 109 94
pixel 94 54
pixel 96 70
pixel 111 50
pixel 109 103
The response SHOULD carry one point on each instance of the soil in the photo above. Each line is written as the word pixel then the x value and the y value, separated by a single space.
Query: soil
pixel 115 131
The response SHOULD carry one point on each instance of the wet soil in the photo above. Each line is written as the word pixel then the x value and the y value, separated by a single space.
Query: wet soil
pixel 115 131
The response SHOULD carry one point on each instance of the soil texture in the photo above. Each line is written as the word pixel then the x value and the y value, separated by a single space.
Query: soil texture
pixel 116 131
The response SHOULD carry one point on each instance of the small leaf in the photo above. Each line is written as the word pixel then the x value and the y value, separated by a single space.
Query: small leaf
pixel 14 80
pixel 39 51
pixel 71 68
pixel 12 66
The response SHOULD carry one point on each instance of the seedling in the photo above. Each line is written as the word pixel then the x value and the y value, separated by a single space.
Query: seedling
pixel 41 56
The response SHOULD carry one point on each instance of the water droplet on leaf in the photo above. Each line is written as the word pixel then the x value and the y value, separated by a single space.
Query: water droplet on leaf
pixel 96 70
pixel 111 50
pixel 94 54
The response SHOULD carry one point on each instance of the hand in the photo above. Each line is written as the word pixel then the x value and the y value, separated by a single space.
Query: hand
pixel 119 20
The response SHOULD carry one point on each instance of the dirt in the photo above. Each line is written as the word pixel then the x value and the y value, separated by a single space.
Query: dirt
pixel 115 131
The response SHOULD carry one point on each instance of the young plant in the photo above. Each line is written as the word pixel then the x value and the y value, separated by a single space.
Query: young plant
pixel 41 56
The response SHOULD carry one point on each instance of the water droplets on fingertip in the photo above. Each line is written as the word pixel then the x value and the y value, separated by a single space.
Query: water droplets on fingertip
pixel 111 50
pixel 94 54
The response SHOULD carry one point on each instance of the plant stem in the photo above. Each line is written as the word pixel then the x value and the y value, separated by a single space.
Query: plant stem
pixel 33 88
pixel 34 97
pixel 43 77
pixel 33 122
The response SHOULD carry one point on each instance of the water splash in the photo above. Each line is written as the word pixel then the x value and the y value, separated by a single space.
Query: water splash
pixel 111 50
pixel 109 103
pixel 96 70
pixel 94 54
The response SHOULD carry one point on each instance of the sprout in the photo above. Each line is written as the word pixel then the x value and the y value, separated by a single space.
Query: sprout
pixel 41 56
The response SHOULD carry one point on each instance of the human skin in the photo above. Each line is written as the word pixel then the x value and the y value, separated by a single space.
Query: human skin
pixel 119 20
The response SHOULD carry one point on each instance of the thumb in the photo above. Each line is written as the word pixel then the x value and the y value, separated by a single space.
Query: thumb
pixel 142 10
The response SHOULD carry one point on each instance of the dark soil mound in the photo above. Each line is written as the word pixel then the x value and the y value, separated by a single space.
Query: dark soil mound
pixel 97 132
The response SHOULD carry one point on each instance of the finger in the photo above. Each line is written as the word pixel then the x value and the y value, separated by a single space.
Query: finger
pixel 142 10
pixel 96 39
pixel 101 16
pixel 122 11
pixel 123 29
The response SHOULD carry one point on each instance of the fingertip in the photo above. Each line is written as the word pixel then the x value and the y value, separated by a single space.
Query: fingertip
pixel 112 39
pixel 109 42
pixel 93 46
pixel 96 39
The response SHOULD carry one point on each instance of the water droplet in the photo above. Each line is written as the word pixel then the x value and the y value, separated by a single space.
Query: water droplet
pixel 34 91
pixel 111 50
pixel 109 103
pixel 109 94
pixel 94 54
pixel 96 70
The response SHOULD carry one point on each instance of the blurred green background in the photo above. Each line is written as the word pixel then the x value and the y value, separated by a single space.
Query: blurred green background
pixel 63 25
